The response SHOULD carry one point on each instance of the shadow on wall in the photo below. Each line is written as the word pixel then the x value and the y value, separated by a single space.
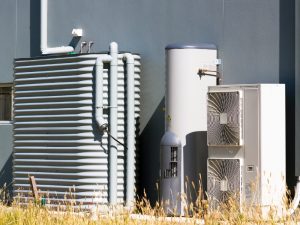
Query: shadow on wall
pixel 195 158
pixel 149 154
pixel 6 176
pixel 195 163
pixel 35 13
pixel 287 76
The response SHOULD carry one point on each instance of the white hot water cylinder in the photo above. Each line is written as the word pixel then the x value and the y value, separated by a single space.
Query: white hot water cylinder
pixel 183 150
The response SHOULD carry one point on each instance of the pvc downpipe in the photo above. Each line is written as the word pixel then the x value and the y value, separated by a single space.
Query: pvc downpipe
pixel 296 199
pixel 99 90
pixel 130 130
pixel 113 118
pixel 44 33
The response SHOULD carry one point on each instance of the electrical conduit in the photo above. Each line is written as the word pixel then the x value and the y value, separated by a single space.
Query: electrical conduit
pixel 130 180
pixel 44 34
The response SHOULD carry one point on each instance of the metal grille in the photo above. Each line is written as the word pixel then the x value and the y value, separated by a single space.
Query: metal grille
pixel 224 119
pixel 55 136
pixel 223 180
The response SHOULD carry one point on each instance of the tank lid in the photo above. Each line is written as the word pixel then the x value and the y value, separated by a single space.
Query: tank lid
pixel 191 46
pixel 170 139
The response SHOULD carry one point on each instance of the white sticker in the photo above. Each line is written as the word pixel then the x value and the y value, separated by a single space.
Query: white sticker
pixel 223 118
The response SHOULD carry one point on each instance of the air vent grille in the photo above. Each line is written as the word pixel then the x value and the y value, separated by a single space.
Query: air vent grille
pixel 224 119
pixel 224 180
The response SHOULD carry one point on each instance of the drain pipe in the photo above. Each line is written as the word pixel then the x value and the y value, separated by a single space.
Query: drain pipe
pixel 296 199
pixel 130 130
pixel 44 33
pixel 102 124
pixel 113 118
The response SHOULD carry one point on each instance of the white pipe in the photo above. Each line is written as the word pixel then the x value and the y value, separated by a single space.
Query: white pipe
pixel 113 118
pixel 99 90
pixel 296 199
pixel 130 130
pixel 44 33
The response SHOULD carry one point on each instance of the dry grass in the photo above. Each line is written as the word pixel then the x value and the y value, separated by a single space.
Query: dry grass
pixel 142 213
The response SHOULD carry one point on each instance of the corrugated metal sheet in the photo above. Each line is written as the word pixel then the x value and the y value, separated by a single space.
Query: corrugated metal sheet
pixel 55 135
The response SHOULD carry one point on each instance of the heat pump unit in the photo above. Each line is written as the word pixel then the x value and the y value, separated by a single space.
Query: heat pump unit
pixel 246 144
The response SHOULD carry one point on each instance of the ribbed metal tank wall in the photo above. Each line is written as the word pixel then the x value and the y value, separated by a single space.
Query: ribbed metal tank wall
pixel 55 135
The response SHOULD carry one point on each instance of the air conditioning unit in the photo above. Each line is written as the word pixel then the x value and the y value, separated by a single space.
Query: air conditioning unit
pixel 246 144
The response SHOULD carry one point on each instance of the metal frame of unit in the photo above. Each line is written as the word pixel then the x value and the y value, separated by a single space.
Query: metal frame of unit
pixel 246 144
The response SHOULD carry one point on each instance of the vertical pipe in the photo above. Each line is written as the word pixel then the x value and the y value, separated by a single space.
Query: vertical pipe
pixel 44 33
pixel 130 130
pixel 99 90
pixel 113 118
pixel 44 24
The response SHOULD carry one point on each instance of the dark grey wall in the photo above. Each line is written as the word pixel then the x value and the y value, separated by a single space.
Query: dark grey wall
pixel 250 36
pixel 7 39
pixel 6 155
pixel 7 53
pixel 297 86
pixel 287 76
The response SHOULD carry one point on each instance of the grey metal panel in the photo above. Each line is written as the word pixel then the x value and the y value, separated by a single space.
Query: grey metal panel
pixel 6 134
pixel 8 26
pixel 250 41
pixel 55 138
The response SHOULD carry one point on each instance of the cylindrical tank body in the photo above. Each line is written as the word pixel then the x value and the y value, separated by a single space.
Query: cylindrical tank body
pixel 185 114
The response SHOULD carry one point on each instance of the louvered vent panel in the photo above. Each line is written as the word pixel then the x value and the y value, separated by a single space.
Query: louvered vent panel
pixel 55 135
pixel 224 121
pixel 224 180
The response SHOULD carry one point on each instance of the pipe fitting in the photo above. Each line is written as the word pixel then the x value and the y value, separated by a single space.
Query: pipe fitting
pixel 44 34
pixel 102 124
pixel 128 57
pixel 90 46
pixel 82 44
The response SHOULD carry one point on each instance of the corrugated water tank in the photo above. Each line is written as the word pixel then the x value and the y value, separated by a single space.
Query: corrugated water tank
pixel 56 139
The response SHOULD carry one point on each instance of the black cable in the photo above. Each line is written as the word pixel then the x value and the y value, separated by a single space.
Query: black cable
pixel 107 152
pixel 104 149
pixel 109 134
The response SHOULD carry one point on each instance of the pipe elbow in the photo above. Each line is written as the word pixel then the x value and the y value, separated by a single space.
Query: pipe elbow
pixel 43 32
pixel 43 47
pixel 44 50
pixel 103 58
pixel 101 123
pixel 129 58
